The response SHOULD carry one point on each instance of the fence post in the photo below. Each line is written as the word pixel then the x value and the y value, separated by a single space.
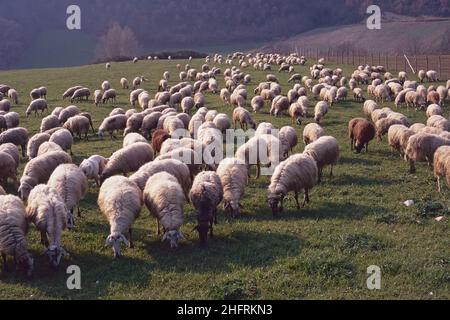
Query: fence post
pixel 439 67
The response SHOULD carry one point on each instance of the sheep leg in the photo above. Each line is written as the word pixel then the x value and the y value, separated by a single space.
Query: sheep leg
pixel 158 227
pixel 296 200
pixel 351 144
pixel 306 198
pixel 44 239
pixel 97 182
pixel 412 166
pixel 130 233
pixel 331 171
pixel 439 184
pixel 258 171
pixel 78 211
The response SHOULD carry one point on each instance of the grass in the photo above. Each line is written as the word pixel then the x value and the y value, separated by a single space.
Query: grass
pixel 356 219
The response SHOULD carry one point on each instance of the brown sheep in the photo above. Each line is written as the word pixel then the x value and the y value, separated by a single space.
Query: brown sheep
pixel 360 132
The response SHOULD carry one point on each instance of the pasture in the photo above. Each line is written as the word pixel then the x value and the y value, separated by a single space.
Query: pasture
pixel 355 219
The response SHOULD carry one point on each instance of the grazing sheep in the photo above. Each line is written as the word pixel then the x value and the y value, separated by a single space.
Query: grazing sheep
pixel 134 96
pixel 233 175
pixel 416 127
pixel 433 110
pixel 120 201
pixel 34 143
pixel 106 85
pixel 108 95
pixel 80 95
pixel 39 169
pixel 205 196
pixel 439 122
pixel 5 105
pixel 49 122
pixel 163 196
pixel 421 147
pixel 13 95
pixel 132 138
pixel 280 104
pixel 369 107
pixel 93 167
pixel 98 95
pixel 358 94
pixel 325 151
pixel 16 136
pixel 222 122
pixel 134 123
pixel 35 94
pixel 158 137
pixel 63 138
pixel 119 162
pixel 225 96
pixel 398 136
pixel 48 147
pixel 149 123
pixel 12 150
pixel 113 123
pixel 78 125
pixel 69 92
pixel 257 103
pixel 320 110
pixel 68 112
pixel 46 210
pixel 360 132
pixel 244 118
pixel 297 173
pixel 312 132
pixel 8 168
pixel 432 76
pixel 13 228
pixel 288 137
pixel 71 184
pixel 124 83
pixel 12 120
pixel 441 165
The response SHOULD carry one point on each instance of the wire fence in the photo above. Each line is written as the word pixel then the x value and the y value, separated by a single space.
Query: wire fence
pixel 393 63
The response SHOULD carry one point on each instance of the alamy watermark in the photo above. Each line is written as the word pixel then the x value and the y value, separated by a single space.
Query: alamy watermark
pixel 74 280
pixel 374 280
pixel 374 20
pixel 73 21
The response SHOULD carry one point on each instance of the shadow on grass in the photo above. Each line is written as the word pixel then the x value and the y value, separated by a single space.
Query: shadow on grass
pixel 359 160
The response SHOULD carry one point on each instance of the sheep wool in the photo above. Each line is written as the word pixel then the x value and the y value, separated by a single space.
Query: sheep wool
pixel 325 151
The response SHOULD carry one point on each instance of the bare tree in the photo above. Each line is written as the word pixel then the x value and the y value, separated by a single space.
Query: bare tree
pixel 117 42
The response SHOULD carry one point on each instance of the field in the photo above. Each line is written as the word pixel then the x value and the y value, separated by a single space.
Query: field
pixel 355 219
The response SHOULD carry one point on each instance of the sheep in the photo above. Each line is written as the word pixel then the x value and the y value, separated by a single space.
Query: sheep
pixel 80 94
pixel 39 169
pixel 137 82
pixel 48 147
pixel 222 122
pixel 297 173
pixel 414 99
pixel 78 125
pixel 439 122
pixel 158 137
pixel 264 128
pixel 134 123
pixel 120 201
pixel 71 184
pixel 421 147
pixel 16 136
pixel 244 118
pixel 132 138
pixel 5 105
pixel 67 112
pixel 433 110
pixel 279 105
pixel 297 113
pixel 119 162
pixel 116 111
pixel 441 163
pixel 163 198
pixel 12 150
pixel 205 196
pixel 341 94
pixel 421 75
pixel 442 91
pixel 134 96
pixel 288 137
pixel 49 122
pixel 13 95
pixel 124 83
pixel 13 228
pixel 57 111
pixel 233 175
pixel 88 116
pixel 46 210
pixel 360 132
pixel 35 94
pixel 8 168
pixel 320 110
pixel 325 151
pixel 63 138
pixel 111 124
pixel 398 136
pixel 257 103
pixel 149 123
pixel 108 95
pixel 358 94
pixel 416 127
pixel 382 126
pixel 106 85
pixel 210 115
pixel 432 76
pixel 34 143
pixel 312 132
pixel 379 114
pixel 369 107
pixel 2 123
pixel 93 167
pixel 12 120
pixel 69 92
pixel 261 149
pixel 98 95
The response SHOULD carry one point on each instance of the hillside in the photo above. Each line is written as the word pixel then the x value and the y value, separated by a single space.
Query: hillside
pixel 397 36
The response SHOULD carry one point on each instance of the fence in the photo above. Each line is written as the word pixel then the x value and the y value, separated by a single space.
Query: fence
pixel 393 63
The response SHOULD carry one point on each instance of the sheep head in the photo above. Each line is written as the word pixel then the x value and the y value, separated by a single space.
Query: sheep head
pixel 275 203
pixel 24 190
pixel 55 253
pixel 26 263
pixel 115 240
pixel 173 237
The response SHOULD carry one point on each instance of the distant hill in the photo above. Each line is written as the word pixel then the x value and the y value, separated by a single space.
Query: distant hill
pixel 398 35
